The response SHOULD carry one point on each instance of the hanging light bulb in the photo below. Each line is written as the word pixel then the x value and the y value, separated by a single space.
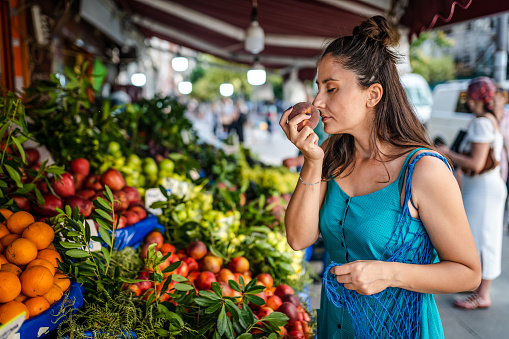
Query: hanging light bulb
pixel 185 87
pixel 254 41
pixel 226 89
pixel 256 75
pixel 138 79
pixel 179 63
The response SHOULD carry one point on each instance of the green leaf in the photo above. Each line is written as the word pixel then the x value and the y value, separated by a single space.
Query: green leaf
pixel 183 287
pixel 25 189
pixel 276 318
pixel 214 308
pixel 66 244
pixel 273 336
pixel 245 336
pixel 221 321
pixel 77 253
pixel 109 195
pixel 162 332
pixel 172 267
pixel 229 329
pixel 217 289
pixel 130 281
pixel 106 254
pixel 20 148
pixel 3 184
pixel 103 203
pixel 255 300
pixel 104 214
pixel 233 309
pixel 209 295
pixel 14 175
pixel 105 236
pixel 38 197
pixel 215 252
pixel 204 302
pixel 68 211
pixel 178 277
pixel 255 289
pixel 233 284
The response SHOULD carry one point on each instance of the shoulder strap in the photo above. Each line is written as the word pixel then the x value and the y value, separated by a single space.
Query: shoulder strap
pixel 405 164
pixel 410 172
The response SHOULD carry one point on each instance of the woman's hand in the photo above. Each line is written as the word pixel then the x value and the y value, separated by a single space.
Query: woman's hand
pixel 306 140
pixel 364 276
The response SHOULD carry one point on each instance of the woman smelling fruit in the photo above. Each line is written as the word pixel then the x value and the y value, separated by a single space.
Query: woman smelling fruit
pixel 386 204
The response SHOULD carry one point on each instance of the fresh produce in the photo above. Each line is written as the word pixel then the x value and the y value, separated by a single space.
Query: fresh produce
pixel 29 279
pixel 305 108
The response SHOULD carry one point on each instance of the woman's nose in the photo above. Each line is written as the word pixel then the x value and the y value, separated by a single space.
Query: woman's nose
pixel 318 102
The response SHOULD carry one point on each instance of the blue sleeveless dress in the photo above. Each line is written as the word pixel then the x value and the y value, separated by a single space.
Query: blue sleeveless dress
pixel 363 228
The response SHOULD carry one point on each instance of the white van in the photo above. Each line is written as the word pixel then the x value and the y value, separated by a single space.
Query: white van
pixel 419 94
pixel 449 113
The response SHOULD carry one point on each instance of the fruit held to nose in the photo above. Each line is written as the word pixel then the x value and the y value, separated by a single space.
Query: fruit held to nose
pixel 305 108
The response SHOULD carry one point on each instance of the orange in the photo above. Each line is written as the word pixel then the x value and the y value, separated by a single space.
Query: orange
pixel 1 248
pixel 8 239
pixel 36 281
pixel 21 252
pixel 3 259
pixel 62 281
pixel 42 262
pixel 6 213
pixel 19 221
pixel 40 233
pixel 11 310
pixel 51 247
pixel 21 297
pixel 50 255
pixel 36 305
pixel 10 268
pixel 3 230
pixel 54 294
pixel 10 286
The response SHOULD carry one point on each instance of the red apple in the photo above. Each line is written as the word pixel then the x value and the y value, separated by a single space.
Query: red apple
pixel 23 202
pixel 226 289
pixel 135 288
pixel 79 181
pixel 291 312
pixel 80 166
pixel 167 248
pixel 204 280
pixel 154 237
pixel 274 302
pixel 197 250
pixel 225 275
pixel 145 285
pixel 43 187
pixel 142 214
pixel 121 222
pixel 295 335
pixel 84 205
pixel 113 179
pixel 87 194
pixel 211 263
pixel 144 251
pixel 32 156
pixel 264 311
pixel 51 202
pixel 64 187
pixel 192 276
pixel 283 289
pixel 292 298
pixel 239 265
pixel 93 182
pixel 266 279
pixel 192 264
pixel 132 195
pixel 131 217
pixel 124 200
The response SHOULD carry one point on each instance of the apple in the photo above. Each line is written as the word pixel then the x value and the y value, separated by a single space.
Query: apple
pixel 132 195
pixel 87 194
pixel 192 276
pixel 181 254
pixel 79 181
pixel 131 217
pixel 292 298
pixel 23 202
pixel 124 200
pixel 166 165
pixel 135 288
pixel 93 182
pixel 274 302
pixel 113 179
pixel 239 265
pixel 197 250
pixel 283 289
pixel 145 285
pixel 121 223
pixel 84 205
pixel 266 279
pixel 32 156
pixel 154 237
pixel 43 187
pixel 51 202
pixel 204 280
pixel 142 214
pixel 167 248
pixel 260 295
pixel 64 187
pixel 211 263
pixel 295 335
pixel 192 264
pixel 80 166
pixel 291 312
pixel 226 289
pixel 225 275
pixel 264 311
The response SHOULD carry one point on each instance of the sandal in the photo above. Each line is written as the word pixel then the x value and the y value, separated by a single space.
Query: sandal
pixel 474 301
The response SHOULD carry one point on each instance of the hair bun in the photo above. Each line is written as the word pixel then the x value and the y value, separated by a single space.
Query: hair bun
pixel 377 28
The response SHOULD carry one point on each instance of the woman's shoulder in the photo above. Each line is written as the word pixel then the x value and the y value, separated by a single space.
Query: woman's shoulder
pixel 430 166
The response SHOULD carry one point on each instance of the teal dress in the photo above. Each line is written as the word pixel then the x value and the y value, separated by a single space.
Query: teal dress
pixel 363 228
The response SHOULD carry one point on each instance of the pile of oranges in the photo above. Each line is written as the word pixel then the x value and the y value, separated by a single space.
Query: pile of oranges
pixel 29 278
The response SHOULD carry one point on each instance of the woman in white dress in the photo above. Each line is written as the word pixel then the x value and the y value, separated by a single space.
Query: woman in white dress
pixel 484 193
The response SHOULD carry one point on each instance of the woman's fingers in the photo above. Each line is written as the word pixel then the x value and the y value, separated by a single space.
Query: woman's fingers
pixel 283 122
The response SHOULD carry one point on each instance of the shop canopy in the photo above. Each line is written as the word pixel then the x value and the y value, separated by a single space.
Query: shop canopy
pixel 295 30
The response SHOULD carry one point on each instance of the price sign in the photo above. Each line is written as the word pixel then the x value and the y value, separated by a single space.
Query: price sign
pixel 94 245
pixel 9 330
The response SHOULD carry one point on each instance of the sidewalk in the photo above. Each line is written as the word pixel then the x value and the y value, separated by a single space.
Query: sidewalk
pixel 491 323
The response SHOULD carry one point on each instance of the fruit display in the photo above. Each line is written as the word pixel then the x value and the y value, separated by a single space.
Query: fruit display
pixel 30 280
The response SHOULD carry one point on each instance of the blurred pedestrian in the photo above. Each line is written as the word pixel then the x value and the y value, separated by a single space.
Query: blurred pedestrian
pixel 386 204
pixel 500 101
pixel 483 190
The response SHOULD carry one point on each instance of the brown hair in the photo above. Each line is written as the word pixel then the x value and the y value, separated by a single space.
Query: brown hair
pixel 366 53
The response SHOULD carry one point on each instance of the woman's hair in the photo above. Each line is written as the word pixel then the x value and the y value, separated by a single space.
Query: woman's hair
pixel 366 53
pixel 482 89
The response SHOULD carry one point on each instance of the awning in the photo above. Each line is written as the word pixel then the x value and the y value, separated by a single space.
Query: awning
pixel 295 30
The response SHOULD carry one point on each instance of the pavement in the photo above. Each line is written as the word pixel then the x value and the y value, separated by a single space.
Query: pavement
pixel 491 323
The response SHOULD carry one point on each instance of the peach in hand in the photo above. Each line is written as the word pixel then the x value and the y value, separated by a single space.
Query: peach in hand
pixel 305 108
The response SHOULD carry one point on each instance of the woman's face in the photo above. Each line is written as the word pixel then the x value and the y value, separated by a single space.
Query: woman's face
pixel 499 101
pixel 476 106
pixel 342 103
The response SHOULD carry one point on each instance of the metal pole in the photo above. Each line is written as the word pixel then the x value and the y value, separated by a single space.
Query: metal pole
pixel 500 71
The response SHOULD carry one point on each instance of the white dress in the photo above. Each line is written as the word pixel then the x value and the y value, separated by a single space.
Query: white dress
pixel 484 198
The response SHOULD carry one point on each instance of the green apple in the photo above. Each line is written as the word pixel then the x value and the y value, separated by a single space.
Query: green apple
pixel 167 165
pixel 113 147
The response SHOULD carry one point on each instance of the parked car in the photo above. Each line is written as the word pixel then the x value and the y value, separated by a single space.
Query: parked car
pixel 419 94
pixel 449 113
